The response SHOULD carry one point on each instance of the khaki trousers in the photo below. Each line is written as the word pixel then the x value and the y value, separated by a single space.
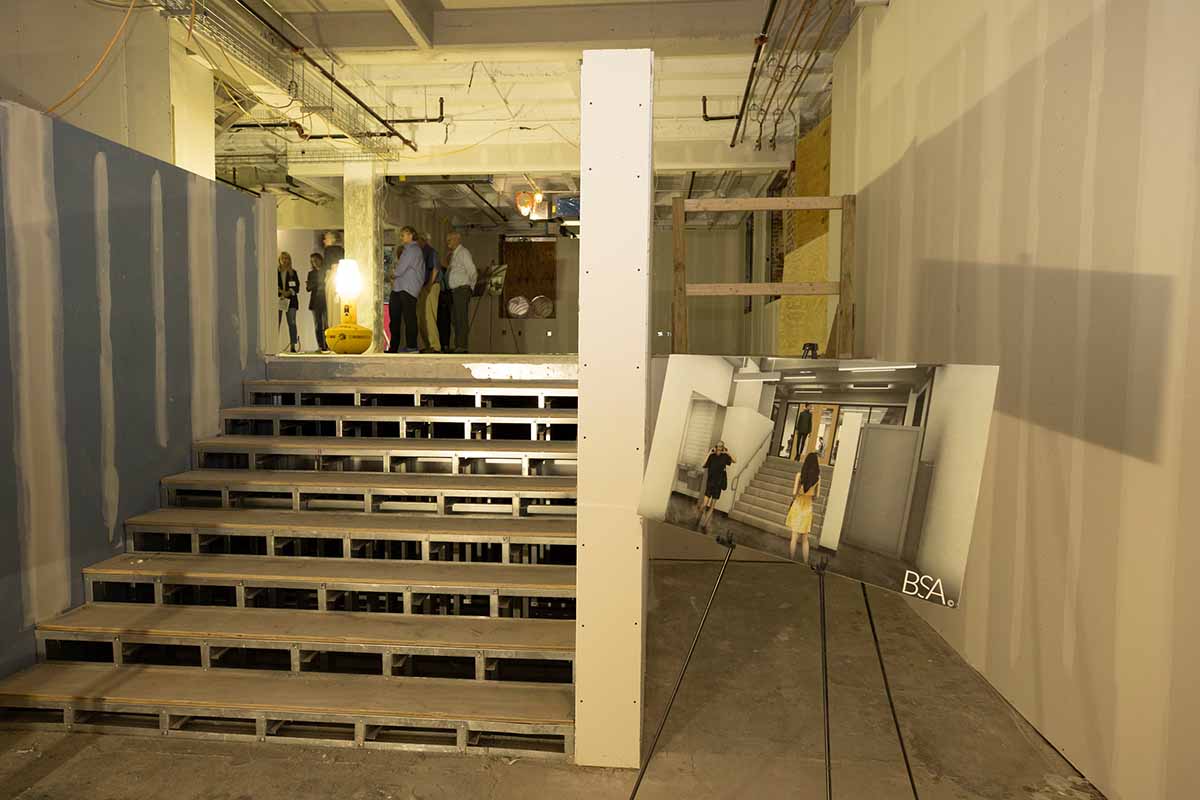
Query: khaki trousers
pixel 427 309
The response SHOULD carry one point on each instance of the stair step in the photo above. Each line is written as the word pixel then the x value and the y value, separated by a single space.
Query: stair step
pixel 356 528
pixel 770 491
pixel 766 502
pixel 771 511
pixel 769 480
pixel 335 391
pixel 397 414
pixel 431 367
pixel 450 453
pixel 408 713
pixel 761 523
pixel 364 489
pixel 320 575
pixel 782 463
pixel 316 631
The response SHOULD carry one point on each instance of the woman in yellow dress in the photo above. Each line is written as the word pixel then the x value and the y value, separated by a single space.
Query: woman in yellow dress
pixel 800 513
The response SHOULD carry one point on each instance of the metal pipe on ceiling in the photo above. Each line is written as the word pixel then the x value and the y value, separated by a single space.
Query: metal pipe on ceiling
pixel 759 42
pixel 705 115
pixel 785 61
pixel 814 55
pixel 395 121
pixel 329 75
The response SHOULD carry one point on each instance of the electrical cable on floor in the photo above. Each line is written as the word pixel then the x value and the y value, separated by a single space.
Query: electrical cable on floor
pixel 103 57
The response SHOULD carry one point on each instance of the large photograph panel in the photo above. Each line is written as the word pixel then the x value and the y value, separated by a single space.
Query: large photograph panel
pixel 870 470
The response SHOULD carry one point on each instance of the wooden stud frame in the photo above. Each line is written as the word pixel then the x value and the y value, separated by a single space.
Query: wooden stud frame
pixel 841 339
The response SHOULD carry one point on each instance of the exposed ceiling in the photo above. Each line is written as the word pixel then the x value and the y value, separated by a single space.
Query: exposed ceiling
pixel 493 86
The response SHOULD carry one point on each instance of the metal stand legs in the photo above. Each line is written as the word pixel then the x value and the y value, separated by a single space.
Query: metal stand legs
pixel 682 670
pixel 888 689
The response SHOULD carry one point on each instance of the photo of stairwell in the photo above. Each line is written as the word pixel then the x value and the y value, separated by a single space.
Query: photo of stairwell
pixel 864 469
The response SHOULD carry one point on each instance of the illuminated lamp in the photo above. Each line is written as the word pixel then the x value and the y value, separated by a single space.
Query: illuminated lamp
pixel 348 337
pixel 525 203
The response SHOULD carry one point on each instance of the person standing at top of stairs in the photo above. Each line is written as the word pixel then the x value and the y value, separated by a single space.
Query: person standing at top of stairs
pixel 427 300
pixel 406 286
pixel 461 281
pixel 289 292
pixel 803 430
pixel 315 283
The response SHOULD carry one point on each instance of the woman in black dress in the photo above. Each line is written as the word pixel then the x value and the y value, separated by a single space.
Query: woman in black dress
pixel 719 458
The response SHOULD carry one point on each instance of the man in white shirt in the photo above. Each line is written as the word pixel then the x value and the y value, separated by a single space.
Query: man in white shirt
pixel 461 282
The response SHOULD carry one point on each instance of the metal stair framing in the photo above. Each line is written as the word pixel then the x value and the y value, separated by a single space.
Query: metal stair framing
pixel 355 561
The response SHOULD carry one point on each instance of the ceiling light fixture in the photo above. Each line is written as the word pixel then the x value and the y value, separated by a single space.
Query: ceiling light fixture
pixel 760 377
pixel 877 369
pixel 800 377
pixel 871 387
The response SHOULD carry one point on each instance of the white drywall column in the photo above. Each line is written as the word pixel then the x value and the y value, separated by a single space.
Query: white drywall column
pixel 361 182
pixel 614 325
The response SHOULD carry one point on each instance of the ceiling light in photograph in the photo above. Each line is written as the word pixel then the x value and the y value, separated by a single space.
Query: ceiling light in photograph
pixel 761 377
pixel 892 368
pixel 800 377
pixel 871 387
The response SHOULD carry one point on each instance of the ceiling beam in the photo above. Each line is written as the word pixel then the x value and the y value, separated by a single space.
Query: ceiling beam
pixel 417 18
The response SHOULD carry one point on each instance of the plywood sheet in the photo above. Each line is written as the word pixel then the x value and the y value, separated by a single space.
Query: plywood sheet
pixel 804 319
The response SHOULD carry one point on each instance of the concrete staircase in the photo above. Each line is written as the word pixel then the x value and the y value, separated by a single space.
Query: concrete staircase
pixel 356 561
pixel 765 502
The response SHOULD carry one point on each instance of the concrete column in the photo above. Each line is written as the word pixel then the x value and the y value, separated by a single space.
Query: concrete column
pixel 617 179
pixel 362 182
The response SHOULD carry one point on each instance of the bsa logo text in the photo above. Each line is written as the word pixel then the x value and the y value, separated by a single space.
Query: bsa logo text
pixel 924 587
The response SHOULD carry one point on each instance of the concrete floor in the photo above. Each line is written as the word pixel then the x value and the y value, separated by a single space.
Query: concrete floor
pixel 747 723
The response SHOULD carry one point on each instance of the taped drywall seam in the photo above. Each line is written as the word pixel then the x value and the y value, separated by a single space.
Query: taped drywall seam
pixel 202 297
pixel 243 331
pixel 35 318
pixel 158 300
pixel 110 479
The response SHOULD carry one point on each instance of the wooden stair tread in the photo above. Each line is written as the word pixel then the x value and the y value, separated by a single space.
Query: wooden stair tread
pixel 357 523
pixel 266 480
pixel 285 625
pixel 179 568
pixel 369 413
pixel 514 448
pixel 432 385
pixel 89 685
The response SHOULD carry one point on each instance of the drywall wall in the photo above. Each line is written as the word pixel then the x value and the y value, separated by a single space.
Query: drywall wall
pixel 46 49
pixel 99 263
pixel 1027 196
pixel 710 376
pixel 192 110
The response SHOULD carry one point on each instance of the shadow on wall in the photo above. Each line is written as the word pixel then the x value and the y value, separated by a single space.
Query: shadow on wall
pixel 969 241
pixel 1082 350
pixel 1081 353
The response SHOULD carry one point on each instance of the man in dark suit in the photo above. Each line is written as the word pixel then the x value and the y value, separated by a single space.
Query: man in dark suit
pixel 803 429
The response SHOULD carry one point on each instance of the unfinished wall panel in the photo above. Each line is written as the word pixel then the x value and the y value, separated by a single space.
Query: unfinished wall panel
pixel 1024 172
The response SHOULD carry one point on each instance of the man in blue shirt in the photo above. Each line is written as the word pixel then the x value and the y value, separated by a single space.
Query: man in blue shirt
pixel 428 299
pixel 407 280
